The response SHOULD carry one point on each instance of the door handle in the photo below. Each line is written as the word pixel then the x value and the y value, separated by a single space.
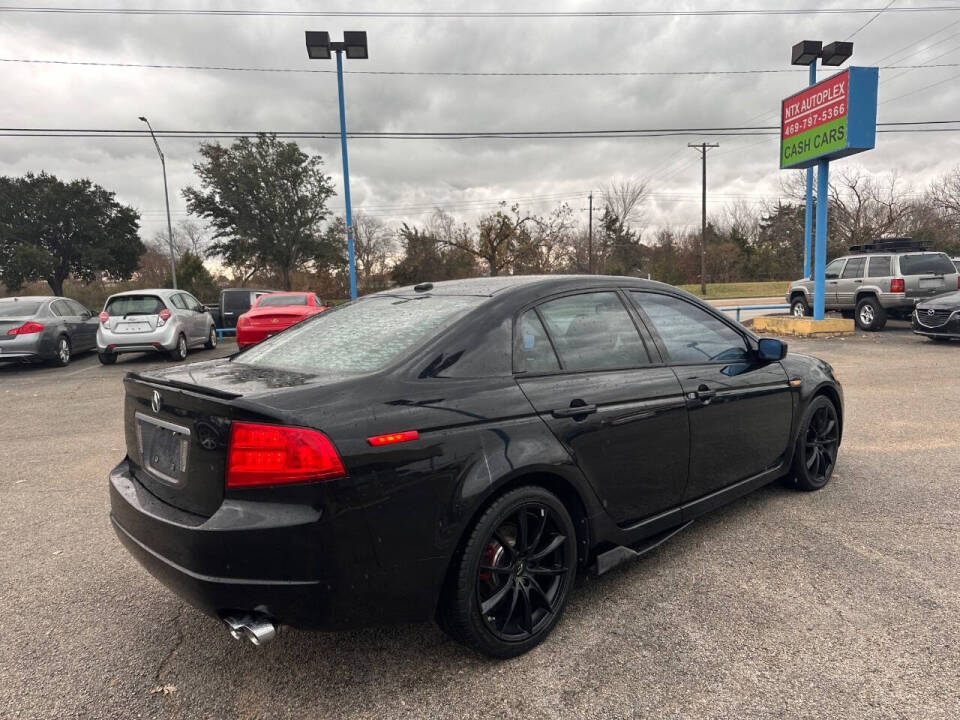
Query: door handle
pixel 703 393
pixel 858 281
pixel 578 410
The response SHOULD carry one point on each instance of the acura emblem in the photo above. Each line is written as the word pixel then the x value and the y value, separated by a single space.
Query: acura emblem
pixel 156 403
pixel 931 311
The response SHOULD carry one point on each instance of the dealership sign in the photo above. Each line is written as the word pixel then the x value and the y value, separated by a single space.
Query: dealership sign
pixel 832 119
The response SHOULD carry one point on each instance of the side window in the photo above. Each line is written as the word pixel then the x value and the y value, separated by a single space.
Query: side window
pixel 854 268
pixel 879 267
pixel 191 302
pixel 60 308
pixel 833 269
pixel 178 303
pixel 76 307
pixel 532 351
pixel 593 331
pixel 691 334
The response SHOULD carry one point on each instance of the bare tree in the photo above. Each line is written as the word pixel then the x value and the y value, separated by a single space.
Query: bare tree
pixel 373 243
pixel 626 197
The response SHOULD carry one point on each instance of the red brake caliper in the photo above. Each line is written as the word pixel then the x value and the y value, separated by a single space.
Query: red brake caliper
pixel 486 558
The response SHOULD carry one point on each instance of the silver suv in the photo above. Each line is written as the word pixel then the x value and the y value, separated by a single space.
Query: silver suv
pixel 169 321
pixel 887 278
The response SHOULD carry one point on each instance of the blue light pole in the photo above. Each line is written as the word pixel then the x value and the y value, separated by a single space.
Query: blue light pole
pixel 807 52
pixel 355 46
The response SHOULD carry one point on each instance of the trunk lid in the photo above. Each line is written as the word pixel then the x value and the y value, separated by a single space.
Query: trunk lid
pixel 927 274
pixel 9 323
pixel 177 424
pixel 133 314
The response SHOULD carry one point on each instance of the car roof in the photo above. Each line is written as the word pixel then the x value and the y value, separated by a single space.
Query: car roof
pixel 249 290
pixel 30 298
pixel 164 292
pixel 490 286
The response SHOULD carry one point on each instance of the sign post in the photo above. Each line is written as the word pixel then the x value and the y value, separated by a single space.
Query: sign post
pixel 835 118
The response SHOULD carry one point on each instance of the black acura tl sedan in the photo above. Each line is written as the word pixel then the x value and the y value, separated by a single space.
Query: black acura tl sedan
pixel 457 450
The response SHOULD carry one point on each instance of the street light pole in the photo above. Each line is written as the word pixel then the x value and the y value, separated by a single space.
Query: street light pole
pixel 702 148
pixel 590 235
pixel 166 197
pixel 354 45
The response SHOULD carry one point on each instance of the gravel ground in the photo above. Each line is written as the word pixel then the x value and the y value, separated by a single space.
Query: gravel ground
pixel 837 604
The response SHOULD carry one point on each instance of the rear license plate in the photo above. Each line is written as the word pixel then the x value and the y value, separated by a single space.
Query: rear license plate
pixel 133 327
pixel 164 448
pixel 928 283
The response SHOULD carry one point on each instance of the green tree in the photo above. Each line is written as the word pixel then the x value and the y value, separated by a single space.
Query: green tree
pixel 266 200
pixel 51 230
pixel 193 276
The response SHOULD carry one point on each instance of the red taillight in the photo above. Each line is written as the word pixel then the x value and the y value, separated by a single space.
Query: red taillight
pixel 896 285
pixel 278 454
pixel 958 282
pixel 242 320
pixel 104 317
pixel 26 329
pixel 393 438
pixel 163 316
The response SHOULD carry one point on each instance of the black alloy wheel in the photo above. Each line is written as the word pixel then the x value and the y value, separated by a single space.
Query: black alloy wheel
pixel 515 574
pixel 817 445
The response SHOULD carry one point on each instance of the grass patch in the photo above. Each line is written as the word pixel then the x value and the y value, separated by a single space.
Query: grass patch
pixel 740 290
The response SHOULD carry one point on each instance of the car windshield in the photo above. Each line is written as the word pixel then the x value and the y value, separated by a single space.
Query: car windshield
pixel 19 308
pixel 282 300
pixel 362 336
pixel 936 263
pixel 134 305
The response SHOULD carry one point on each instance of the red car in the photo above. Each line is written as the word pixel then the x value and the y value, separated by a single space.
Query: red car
pixel 275 312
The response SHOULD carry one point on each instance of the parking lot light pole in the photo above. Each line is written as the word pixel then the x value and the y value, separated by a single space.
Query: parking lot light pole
pixel 355 46
pixel 166 197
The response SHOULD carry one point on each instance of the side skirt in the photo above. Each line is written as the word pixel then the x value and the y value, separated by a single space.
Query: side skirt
pixel 608 560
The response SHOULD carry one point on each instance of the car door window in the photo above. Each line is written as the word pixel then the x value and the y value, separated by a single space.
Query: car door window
pixel 76 307
pixel 593 331
pixel 532 351
pixel 178 302
pixel 879 267
pixel 689 333
pixel 60 308
pixel 833 269
pixel 191 302
pixel 854 268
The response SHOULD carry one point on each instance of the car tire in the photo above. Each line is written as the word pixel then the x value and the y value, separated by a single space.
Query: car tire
pixel 815 455
pixel 509 584
pixel 212 339
pixel 107 358
pixel 180 351
pixel 62 358
pixel 870 315
pixel 799 307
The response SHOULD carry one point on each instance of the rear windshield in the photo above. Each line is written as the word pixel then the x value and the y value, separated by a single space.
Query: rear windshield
pixel 19 309
pixel 281 300
pixel 937 263
pixel 238 300
pixel 134 305
pixel 362 336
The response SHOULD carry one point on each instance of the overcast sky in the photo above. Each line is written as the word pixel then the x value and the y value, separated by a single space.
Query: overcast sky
pixel 387 175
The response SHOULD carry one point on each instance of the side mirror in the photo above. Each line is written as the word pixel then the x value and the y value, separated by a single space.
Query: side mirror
pixel 771 349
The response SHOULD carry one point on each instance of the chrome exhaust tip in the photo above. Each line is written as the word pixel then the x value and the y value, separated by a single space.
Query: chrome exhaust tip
pixel 258 629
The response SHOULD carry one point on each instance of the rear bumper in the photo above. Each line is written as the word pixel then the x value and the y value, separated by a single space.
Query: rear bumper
pixel 162 340
pixel 292 562
pixel 247 336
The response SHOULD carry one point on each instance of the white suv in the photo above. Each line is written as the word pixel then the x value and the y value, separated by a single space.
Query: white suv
pixel 167 321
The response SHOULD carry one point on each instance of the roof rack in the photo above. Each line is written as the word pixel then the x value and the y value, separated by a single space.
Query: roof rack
pixel 901 244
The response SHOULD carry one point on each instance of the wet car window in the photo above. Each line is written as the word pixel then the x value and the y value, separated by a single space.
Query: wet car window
pixel 934 263
pixel 532 351
pixel 178 302
pixel 362 336
pixel 281 300
pixel 60 308
pixel 593 331
pixel 134 305
pixel 690 334
pixel 854 268
pixel 19 309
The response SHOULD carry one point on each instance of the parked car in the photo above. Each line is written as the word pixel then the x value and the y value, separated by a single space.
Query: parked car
pixel 275 312
pixel 166 321
pixel 234 302
pixel 956 263
pixel 875 281
pixel 38 328
pixel 939 318
pixel 460 449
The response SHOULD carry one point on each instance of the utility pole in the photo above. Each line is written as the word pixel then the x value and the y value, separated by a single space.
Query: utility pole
pixel 166 197
pixel 702 148
pixel 590 235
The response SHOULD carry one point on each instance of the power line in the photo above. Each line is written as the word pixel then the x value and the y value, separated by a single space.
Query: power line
pixel 441 73
pixel 879 13
pixel 496 14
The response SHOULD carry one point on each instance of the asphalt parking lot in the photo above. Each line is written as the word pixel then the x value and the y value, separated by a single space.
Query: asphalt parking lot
pixel 838 604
